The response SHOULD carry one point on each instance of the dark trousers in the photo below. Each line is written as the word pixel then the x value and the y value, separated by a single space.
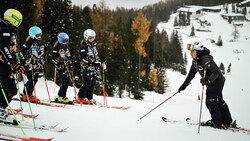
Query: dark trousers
pixel 217 106
pixel 87 89
pixel 9 87
pixel 29 84
pixel 65 83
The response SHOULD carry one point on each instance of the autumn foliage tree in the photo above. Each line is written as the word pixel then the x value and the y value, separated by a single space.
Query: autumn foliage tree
pixel 140 28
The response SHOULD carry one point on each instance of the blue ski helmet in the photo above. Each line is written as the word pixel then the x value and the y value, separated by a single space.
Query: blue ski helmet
pixel 35 31
pixel 63 37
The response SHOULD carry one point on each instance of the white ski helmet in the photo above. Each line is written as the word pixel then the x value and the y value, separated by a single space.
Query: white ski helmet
pixel 89 34
pixel 196 46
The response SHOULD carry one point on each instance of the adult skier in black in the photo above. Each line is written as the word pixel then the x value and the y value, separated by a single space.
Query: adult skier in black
pixel 33 53
pixel 8 63
pixel 89 62
pixel 214 80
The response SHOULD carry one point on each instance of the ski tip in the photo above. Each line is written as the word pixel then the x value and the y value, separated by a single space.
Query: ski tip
pixel 188 119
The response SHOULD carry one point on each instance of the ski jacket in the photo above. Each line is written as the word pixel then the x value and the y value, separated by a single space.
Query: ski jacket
pixel 7 41
pixel 88 56
pixel 204 61
pixel 33 51
pixel 61 56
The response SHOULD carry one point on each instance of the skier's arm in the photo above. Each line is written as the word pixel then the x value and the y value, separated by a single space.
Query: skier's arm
pixel 8 40
pixel 83 56
pixel 191 75
pixel 214 69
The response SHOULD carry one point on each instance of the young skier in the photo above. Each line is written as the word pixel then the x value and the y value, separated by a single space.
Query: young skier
pixel 89 62
pixel 8 63
pixel 214 80
pixel 61 59
pixel 33 53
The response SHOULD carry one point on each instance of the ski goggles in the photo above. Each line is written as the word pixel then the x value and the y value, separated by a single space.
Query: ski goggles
pixel 38 35
pixel 192 47
pixel 65 41
pixel 91 37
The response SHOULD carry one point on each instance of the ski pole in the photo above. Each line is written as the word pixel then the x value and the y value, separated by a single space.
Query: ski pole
pixel 105 102
pixel 18 88
pixel 158 106
pixel 54 80
pixel 33 81
pixel 12 112
pixel 201 102
pixel 19 61
pixel 31 112
pixel 71 79
pixel 46 83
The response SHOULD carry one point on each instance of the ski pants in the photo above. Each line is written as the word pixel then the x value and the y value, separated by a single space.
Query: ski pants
pixel 87 89
pixel 65 83
pixel 32 80
pixel 217 106
pixel 9 88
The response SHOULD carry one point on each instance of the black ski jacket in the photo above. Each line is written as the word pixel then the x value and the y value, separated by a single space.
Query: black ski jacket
pixel 204 61
pixel 7 39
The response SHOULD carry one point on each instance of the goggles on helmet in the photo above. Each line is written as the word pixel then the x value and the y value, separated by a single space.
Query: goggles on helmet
pixel 65 41
pixel 38 35
pixel 91 37
pixel 192 47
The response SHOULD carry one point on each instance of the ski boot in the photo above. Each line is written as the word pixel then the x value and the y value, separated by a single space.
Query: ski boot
pixel 32 98
pixel 64 100
pixel 212 124
pixel 6 118
pixel 231 124
pixel 82 101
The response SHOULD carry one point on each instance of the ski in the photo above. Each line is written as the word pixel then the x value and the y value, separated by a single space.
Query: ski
pixel 233 129
pixel 189 121
pixel 44 103
pixel 100 105
pixel 19 112
pixel 10 137
pixel 15 110
pixel 53 128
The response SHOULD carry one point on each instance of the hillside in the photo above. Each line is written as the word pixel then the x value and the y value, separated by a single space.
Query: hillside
pixel 97 124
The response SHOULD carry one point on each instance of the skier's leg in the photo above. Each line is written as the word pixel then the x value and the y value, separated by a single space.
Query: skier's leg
pixel 85 87
pixel 91 88
pixel 65 83
pixel 212 105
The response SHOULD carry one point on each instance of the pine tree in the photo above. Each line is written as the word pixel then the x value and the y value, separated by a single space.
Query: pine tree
pixel 222 68
pixel 192 31
pixel 219 42
pixel 176 21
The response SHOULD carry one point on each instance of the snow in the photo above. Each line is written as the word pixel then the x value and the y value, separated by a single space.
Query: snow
pixel 113 4
pixel 95 124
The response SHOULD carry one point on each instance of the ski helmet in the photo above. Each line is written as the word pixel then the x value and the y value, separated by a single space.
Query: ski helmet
pixel 35 31
pixel 196 46
pixel 89 34
pixel 63 37
pixel 13 16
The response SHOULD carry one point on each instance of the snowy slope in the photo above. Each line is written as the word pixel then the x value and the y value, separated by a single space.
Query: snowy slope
pixel 96 124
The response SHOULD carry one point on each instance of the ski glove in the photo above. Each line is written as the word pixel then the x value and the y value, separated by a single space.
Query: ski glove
pixel 18 68
pixel 182 87
pixel 204 81
pixel 97 64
